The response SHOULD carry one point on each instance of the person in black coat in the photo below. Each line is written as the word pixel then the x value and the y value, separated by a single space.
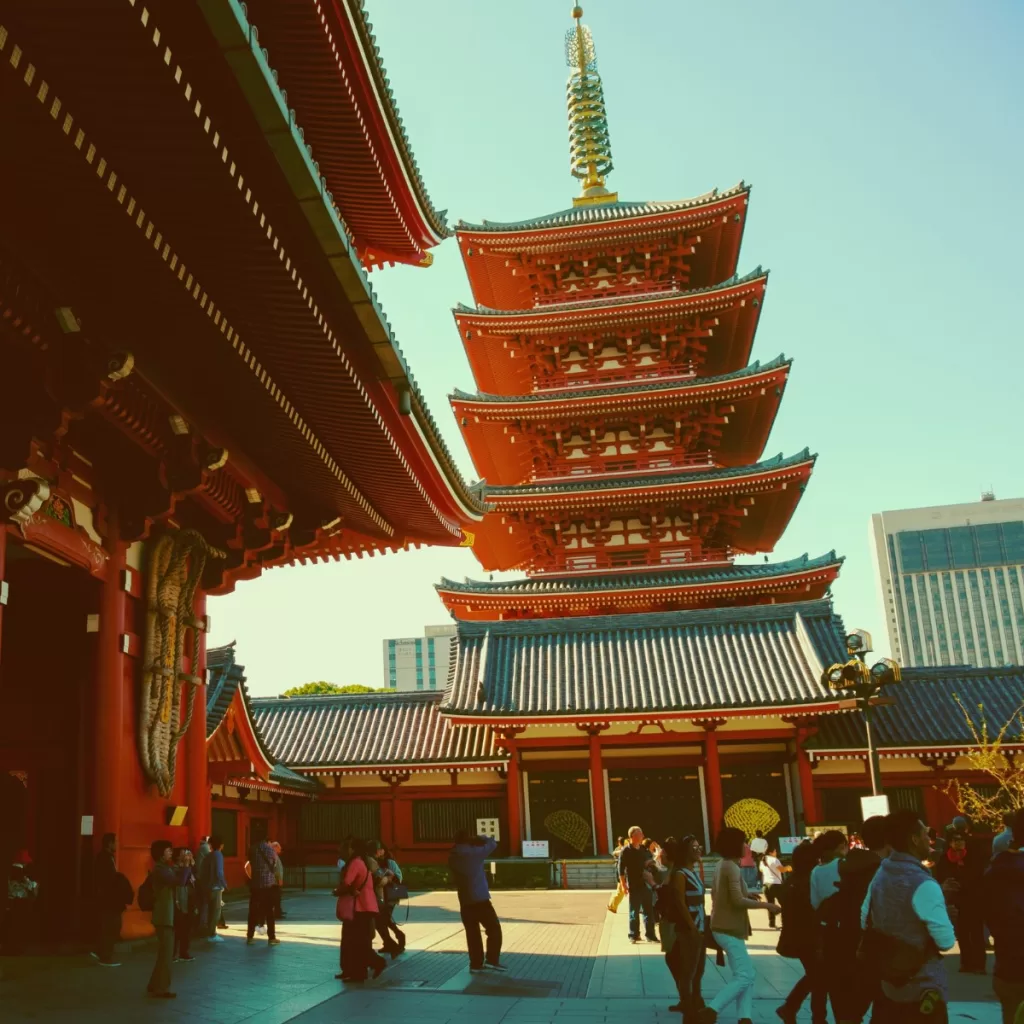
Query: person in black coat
pixel 112 892
pixel 801 939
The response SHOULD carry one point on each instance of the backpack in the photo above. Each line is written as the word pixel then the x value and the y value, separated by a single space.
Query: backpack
pixel 146 894
pixel 667 902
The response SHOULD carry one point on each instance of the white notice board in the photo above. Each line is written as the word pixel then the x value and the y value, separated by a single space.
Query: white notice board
pixel 535 848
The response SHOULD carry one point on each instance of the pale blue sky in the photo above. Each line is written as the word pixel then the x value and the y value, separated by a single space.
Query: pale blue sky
pixel 884 144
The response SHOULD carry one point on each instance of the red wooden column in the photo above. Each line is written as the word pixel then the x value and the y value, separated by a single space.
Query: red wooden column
pixel 197 785
pixel 108 752
pixel 713 779
pixel 3 588
pixel 597 794
pixel 515 814
pixel 803 763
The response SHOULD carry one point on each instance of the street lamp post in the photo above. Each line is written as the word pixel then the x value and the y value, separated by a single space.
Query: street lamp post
pixel 864 686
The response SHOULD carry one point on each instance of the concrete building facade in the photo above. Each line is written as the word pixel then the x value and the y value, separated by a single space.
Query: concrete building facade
pixel 952 580
pixel 419 663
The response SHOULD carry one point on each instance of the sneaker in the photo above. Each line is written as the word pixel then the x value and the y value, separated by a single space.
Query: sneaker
pixel 185 959
pixel 95 956
pixel 495 967
pixel 261 929
pixel 222 924
pixel 273 942
pixel 107 963
pixel 634 938
pixel 478 970
pixel 250 941
pixel 216 938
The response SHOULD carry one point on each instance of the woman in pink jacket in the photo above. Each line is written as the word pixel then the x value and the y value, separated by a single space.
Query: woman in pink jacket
pixel 357 910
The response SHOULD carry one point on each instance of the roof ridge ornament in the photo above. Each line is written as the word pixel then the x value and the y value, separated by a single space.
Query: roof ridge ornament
pixel 590 151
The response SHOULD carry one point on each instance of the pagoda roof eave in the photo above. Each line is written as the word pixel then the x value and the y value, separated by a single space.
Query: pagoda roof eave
pixel 603 213
pixel 597 392
pixel 651 481
pixel 670 579
pixel 329 62
pixel 595 308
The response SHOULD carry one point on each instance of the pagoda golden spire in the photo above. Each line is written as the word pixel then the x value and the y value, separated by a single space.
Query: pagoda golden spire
pixel 590 150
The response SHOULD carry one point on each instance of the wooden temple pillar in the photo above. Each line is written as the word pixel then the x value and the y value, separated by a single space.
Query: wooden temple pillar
pixel 713 779
pixel 108 751
pixel 803 764
pixel 597 789
pixel 197 786
pixel 3 582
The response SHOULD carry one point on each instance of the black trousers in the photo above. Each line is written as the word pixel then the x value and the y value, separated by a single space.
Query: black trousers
pixel 770 894
pixel 474 917
pixel 814 983
pixel 183 923
pixel 685 961
pixel 357 953
pixel 261 909
pixel 108 931
pixel 386 927
pixel 970 934
pixel 928 1011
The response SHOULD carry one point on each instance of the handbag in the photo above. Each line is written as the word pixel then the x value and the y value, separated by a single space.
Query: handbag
pixel 345 907
pixel 395 892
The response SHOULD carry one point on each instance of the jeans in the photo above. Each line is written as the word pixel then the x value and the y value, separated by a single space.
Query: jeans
pixel 1011 996
pixel 685 961
pixel 261 908
pixel 160 979
pixel 815 984
pixel 641 899
pixel 214 910
pixel 474 917
pixel 740 988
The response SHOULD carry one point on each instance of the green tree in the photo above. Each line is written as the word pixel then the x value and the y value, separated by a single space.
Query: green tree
pixel 312 689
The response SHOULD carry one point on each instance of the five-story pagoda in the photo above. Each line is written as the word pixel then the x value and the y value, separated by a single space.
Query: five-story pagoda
pixel 619 423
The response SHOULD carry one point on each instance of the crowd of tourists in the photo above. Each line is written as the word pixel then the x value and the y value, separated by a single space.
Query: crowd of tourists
pixel 868 920
pixel 867 917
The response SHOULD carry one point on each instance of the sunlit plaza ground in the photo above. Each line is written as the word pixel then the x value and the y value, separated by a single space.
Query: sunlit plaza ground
pixel 569 961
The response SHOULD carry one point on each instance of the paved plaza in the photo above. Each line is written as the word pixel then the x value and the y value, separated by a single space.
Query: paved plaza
pixel 569 960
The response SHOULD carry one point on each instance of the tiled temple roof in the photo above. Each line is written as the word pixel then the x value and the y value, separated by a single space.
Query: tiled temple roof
pixel 227 678
pixel 654 479
pixel 633 388
pixel 602 212
pixel 642 580
pixel 378 731
pixel 593 304
pixel 631 665
pixel 925 713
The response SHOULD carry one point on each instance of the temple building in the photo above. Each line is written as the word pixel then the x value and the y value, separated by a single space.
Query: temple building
pixel 637 673
pixel 199 384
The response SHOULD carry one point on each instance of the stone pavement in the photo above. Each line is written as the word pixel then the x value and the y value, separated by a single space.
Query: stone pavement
pixel 569 963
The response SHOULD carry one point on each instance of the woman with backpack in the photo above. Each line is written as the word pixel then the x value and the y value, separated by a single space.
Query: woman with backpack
pixel 680 905
pixel 357 910
pixel 388 881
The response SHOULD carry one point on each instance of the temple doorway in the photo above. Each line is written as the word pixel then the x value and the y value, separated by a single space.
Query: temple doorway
pixel 46 727
pixel 560 812
pixel 662 801
pixel 754 796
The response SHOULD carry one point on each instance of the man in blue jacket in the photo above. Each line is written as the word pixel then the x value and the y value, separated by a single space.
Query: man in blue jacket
pixel 1003 905
pixel 211 874
pixel 466 862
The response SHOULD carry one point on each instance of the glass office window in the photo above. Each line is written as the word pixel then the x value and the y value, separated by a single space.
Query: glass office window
pixel 990 548
pixel 936 552
pixel 965 614
pixel 915 630
pixel 961 546
pixel 911 557
pixel 947 589
pixel 1013 542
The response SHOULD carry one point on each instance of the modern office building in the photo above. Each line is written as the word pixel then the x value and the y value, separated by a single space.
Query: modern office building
pixel 951 579
pixel 419 662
